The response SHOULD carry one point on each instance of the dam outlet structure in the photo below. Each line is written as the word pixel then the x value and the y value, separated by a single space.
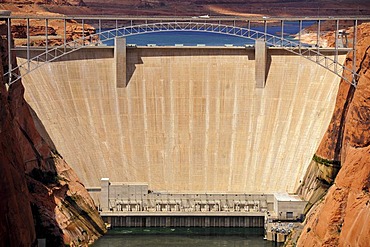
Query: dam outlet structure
pixel 134 205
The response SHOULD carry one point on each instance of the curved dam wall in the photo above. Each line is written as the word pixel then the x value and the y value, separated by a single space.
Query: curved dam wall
pixel 190 119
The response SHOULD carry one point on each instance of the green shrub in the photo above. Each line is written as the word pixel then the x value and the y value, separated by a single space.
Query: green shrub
pixel 325 162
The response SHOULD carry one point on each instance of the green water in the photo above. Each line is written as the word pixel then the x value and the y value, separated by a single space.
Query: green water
pixel 194 237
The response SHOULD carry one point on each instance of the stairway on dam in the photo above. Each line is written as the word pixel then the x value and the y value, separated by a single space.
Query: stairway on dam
pixel 190 119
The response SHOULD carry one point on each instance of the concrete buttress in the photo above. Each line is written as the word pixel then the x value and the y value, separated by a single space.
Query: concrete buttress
pixel 120 61
pixel 261 61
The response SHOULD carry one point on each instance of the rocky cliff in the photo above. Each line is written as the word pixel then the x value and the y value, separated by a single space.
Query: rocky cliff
pixel 230 7
pixel 41 197
pixel 55 2
pixel 16 222
pixel 341 165
pixel 55 31
pixel 55 27
pixel 243 8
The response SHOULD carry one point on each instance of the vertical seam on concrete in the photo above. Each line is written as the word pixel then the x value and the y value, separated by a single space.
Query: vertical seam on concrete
pixel 216 155
pixel 131 131
pixel 118 115
pixel 248 159
pixel 169 157
pixel 164 118
pixel 146 144
pixel 233 136
pixel 206 141
pixel 190 114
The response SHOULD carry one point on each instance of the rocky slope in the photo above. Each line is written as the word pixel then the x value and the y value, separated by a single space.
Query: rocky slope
pixel 41 197
pixel 194 7
pixel 55 29
pixel 341 216
pixel 229 7
pixel 57 2
pixel 74 30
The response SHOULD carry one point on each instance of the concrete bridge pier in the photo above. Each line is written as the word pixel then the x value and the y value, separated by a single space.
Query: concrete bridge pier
pixel 261 63
pixel 120 61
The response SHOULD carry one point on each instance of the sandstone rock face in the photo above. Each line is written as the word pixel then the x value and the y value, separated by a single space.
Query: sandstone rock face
pixel 38 29
pixel 56 2
pixel 55 27
pixel 229 7
pixel 341 219
pixel 55 31
pixel 39 191
pixel 16 222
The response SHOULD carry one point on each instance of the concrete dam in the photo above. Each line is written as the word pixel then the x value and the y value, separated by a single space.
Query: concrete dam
pixel 189 119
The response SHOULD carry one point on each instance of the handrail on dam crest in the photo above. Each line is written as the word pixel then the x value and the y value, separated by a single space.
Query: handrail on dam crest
pixel 313 54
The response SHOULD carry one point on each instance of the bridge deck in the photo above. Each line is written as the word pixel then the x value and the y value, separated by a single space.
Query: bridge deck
pixel 131 46
pixel 191 18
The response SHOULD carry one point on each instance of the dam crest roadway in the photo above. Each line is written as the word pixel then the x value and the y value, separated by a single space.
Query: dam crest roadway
pixel 124 27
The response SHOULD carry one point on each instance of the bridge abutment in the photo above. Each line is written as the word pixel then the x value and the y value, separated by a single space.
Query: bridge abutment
pixel 120 62
pixel 261 63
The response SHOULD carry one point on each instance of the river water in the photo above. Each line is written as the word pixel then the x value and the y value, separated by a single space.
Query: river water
pixel 178 237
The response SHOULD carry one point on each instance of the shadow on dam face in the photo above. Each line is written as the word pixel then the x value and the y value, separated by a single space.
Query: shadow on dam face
pixel 189 120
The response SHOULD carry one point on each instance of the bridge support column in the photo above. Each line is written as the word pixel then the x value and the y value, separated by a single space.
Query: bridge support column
pixel 120 61
pixel 261 63
pixel 104 194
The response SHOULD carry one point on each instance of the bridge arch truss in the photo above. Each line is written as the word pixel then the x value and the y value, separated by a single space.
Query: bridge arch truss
pixel 294 46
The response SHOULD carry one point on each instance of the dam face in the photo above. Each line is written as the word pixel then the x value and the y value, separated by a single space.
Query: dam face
pixel 190 119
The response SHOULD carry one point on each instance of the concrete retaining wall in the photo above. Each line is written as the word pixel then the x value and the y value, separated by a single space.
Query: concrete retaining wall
pixel 190 119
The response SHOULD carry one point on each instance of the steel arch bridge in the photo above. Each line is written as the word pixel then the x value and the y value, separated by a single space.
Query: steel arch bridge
pixel 313 54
